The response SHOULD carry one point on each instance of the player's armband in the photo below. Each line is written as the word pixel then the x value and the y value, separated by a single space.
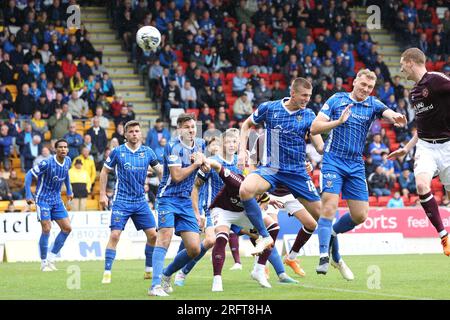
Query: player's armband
pixel 154 163
pixel 264 198
pixel 203 176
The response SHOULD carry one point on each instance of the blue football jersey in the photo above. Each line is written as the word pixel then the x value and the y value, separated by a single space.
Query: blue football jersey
pixel 176 153
pixel 212 180
pixel 50 176
pixel 131 171
pixel 285 131
pixel 348 139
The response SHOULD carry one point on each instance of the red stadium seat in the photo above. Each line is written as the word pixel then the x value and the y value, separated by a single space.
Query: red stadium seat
pixel 359 65
pixel 406 201
pixel 194 111
pixel 382 201
pixel 413 199
pixel 373 201
pixel 229 77
pixel 439 65
pixel 317 31
pixel 429 65
pixel 277 76
pixel 396 187
pixel 293 32
pixel 342 203
pixel 179 55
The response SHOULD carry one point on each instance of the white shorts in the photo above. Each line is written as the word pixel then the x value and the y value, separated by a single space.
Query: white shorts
pixel 291 205
pixel 221 217
pixel 433 159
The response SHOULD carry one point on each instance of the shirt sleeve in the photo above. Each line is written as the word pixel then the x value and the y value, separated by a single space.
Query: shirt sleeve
pixel 40 168
pixel 153 159
pixel 440 83
pixel 328 107
pixel 380 107
pixel 171 156
pixel 111 161
pixel 259 115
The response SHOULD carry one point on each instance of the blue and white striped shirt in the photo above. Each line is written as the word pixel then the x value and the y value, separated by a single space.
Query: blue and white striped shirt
pixel 176 153
pixel 348 139
pixel 285 131
pixel 131 171
pixel 50 175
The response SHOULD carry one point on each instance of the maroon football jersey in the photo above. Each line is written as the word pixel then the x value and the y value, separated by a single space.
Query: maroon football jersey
pixel 228 197
pixel 430 99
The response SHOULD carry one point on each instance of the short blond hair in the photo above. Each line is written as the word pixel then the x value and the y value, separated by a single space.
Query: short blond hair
pixel 415 55
pixel 366 72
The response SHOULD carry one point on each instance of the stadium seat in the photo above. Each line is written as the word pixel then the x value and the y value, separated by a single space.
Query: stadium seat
pixel 229 77
pixel 174 113
pixel 373 201
pixel 48 136
pixel 92 204
pixel 406 201
pixel 277 76
pixel 439 65
pixel 3 205
pixel 382 201
pixel 194 111
pixel 413 199
pixel 342 203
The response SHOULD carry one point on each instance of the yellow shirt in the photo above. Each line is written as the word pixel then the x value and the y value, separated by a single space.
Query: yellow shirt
pixel 80 176
pixel 88 165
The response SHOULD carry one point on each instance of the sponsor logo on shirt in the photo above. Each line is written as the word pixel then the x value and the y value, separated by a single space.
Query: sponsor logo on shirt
pixel 173 158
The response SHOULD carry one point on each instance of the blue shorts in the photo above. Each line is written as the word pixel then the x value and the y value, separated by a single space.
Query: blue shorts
pixel 344 175
pixel 139 212
pixel 53 211
pixel 300 184
pixel 177 212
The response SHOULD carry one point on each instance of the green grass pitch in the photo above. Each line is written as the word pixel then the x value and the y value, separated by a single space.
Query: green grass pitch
pixel 376 277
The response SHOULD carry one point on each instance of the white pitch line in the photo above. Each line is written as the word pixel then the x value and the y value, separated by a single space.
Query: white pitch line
pixel 365 292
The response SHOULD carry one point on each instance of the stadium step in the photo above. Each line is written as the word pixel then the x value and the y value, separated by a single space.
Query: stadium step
pixel 126 82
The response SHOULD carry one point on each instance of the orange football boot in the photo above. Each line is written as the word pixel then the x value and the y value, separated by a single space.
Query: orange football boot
pixel 294 266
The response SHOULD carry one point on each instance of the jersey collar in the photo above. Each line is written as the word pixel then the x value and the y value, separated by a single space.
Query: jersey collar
pixel 283 101
pixel 56 160
pixel 185 145
pixel 132 151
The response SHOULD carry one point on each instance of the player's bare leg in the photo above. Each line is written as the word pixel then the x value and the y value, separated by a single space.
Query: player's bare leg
pixel 330 203
pixel 110 254
pixel 253 185
pixel 218 256
pixel 64 225
pixel 149 246
pixel 309 225
pixel 429 204
pixel 46 226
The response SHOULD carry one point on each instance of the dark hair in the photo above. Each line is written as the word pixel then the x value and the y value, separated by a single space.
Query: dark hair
pixel 129 124
pixel 59 141
pixel 182 118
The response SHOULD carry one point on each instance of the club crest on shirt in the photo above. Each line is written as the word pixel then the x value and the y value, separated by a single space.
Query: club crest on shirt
pixel 299 117
pixel 329 183
pixel 425 92
pixel 141 155
pixel 122 155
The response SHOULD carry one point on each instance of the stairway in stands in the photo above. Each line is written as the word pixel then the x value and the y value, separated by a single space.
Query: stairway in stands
pixel 387 46
pixel 126 81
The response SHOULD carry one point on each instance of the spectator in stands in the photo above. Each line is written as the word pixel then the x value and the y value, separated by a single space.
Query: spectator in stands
pixel 76 82
pixel 437 48
pixel 262 92
pixel 107 85
pixel 45 155
pixel 78 108
pixel 25 103
pixel 73 47
pixel 222 122
pixel 206 118
pixel 376 148
pixel 16 185
pixel 74 140
pixel 52 68
pixel 81 185
pixel 377 183
pixel 213 60
pixel 388 169
pixel 171 98
pixel 5 97
pixel 5 192
pixel 4 114
pixel 277 92
pixel 98 69
pixel 116 105
pixel 69 68
pixel 31 151
pixel 99 139
pixel 364 47
pixel 242 108
pixel 188 96
pixel 392 104
pixel 45 53
pixel 34 90
pixel 38 124
pixel 167 56
pixel 36 67
pixel 88 49
pixel 24 36
pixel 104 122
pixel 88 164
pixel 398 88
pixel 6 145
pixel 249 92
pixel 155 135
pixel 123 116
pixel 396 201
pixel 207 97
pixel 407 182
pixel 385 91
pixel 119 134
pixel 155 77
pixel 239 82
pixel 58 123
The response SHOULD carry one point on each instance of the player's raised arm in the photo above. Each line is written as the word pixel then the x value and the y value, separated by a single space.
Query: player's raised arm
pixel 317 142
pixel 398 119
pixel 177 173
pixel 322 122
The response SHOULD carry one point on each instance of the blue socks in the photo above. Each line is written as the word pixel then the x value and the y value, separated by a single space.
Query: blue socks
pixel 181 247
pixel 159 253
pixel 324 233
pixel 148 255
pixel 344 224
pixel 254 215
pixel 59 242
pixel 335 250
pixel 276 262
pixel 110 255
pixel 43 245
pixel 191 264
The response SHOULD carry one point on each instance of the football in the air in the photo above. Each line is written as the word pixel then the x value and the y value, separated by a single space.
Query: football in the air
pixel 148 38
